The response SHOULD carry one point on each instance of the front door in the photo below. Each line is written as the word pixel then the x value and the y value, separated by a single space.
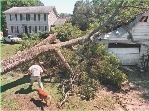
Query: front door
pixel 26 31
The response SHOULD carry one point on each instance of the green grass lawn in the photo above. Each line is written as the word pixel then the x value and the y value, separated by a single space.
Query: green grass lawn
pixel 16 94
pixel 16 91
pixel 8 50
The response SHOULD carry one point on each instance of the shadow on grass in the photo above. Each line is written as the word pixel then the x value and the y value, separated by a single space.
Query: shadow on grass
pixel 24 91
pixel 11 43
pixel 141 81
pixel 23 80
pixel 38 103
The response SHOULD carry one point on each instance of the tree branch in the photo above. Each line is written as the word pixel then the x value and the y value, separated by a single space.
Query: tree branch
pixel 135 7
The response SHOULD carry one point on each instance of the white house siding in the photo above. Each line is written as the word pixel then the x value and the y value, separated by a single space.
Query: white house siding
pixel 51 18
pixel 141 31
pixel 21 24
pixel 143 50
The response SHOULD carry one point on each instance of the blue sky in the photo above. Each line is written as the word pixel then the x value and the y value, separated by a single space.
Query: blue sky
pixel 62 6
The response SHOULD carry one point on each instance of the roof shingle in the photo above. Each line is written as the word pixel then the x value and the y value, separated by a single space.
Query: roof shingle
pixel 60 21
pixel 33 9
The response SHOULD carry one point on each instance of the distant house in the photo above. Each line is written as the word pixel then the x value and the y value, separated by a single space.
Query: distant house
pixel 60 21
pixel 27 19
pixel 120 44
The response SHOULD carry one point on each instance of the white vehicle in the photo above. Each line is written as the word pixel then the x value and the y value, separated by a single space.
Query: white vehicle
pixel 1 35
pixel 12 38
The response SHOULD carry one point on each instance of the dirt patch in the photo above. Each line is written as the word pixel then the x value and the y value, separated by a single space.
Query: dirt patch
pixel 25 102
pixel 127 99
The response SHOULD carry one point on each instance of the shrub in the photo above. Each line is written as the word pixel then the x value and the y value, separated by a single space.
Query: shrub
pixel 66 32
pixel 88 86
pixel 106 66
pixel 29 41
pixel 44 34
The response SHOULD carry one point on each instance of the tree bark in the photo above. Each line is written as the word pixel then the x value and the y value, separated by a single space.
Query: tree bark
pixel 58 52
pixel 47 41
pixel 27 55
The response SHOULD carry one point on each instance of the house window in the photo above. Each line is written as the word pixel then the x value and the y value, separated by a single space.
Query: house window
pixel 41 28
pixel 44 17
pixel 10 17
pixel 35 29
pixel 14 29
pixel 45 28
pixel 27 17
pixel 16 16
pixel 29 29
pixel 20 17
pixel 38 17
pixel 34 17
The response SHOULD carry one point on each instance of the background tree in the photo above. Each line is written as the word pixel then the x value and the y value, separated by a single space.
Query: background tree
pixel 102 10
pixel 6 4
pixel 64 15
pixel 81 15
pixel 66 32
pixel 98 11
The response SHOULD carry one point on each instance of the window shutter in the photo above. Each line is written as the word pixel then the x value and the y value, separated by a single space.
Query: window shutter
pixel 28 17
pixel 20 17
pixel 17 29
pixel 38 17
pixel 29 29
pixel 16 16
pixel 35 29
pixel 10 17
pixel 34 17
pixel 44 17
pixel 12 29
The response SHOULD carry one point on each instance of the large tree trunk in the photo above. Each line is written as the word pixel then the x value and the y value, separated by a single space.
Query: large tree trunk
pixel 44 47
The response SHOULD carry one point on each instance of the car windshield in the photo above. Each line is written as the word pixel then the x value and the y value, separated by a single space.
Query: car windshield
pixel 12 36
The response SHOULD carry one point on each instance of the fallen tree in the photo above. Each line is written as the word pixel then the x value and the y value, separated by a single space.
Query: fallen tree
pixel 46 46
pixel 27 55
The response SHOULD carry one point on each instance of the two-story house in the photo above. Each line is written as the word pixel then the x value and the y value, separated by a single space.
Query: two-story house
pixel 27 19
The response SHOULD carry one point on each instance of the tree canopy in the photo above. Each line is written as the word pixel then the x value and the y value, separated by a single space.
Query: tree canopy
pixel 86 12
